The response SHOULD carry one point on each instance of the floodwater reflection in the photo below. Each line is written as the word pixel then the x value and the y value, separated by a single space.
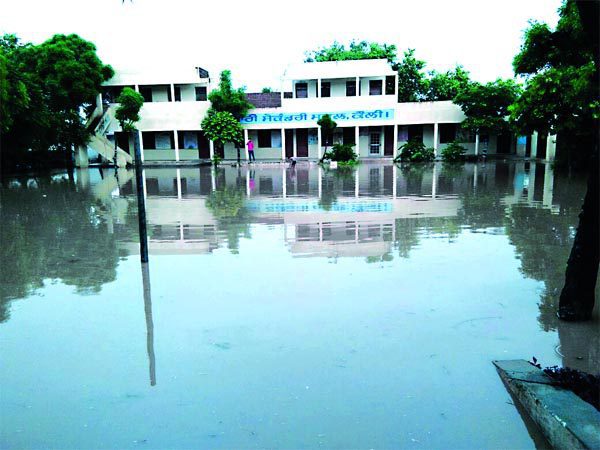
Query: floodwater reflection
pixel 278 291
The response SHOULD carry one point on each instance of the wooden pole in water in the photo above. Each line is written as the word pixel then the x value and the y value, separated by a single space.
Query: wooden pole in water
pixel 141 201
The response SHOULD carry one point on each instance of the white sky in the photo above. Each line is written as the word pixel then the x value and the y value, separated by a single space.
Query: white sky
pixel 258 39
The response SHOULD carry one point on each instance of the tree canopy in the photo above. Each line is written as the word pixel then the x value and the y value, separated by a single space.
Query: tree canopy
pixel 46 91
pixel 226 98
pixel 355 50
pixel 128 111
pixel 222 127
pixel 486 106
pixel 561 78
pixel 412 84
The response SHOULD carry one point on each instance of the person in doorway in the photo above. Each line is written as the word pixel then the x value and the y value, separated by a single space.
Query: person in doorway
pixel 250 145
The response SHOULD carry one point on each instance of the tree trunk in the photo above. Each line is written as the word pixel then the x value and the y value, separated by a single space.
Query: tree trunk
pixel 578 295
pixel 141 201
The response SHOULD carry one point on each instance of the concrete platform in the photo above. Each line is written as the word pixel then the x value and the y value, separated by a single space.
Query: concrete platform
pixel 566 420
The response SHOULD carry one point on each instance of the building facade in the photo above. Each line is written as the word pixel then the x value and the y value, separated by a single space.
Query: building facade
pixel 360 96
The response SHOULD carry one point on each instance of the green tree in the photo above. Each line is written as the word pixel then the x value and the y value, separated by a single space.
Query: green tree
pixel 328 126
pixel 267 90
pixel 355 50
pixel 445 86
pixel 49 85
pixel 128 111
pixel 412 82
pixel 222 127
pixel 486 106
pixel 227 99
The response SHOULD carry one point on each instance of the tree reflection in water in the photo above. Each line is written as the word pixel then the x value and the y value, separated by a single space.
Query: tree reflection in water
pixel 52 231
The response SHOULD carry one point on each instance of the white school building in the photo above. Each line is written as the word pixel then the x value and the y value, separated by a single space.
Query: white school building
pixel 361 96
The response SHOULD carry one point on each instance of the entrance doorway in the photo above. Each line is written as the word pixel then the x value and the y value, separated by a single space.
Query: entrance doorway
pixel 302 142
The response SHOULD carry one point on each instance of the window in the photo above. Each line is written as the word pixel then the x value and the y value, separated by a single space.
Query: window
pixel 301 90
pixel 177 94
pixel 390 85
pixel 374 143
pixel 264 138
pixel 415 132
pixel 146 92
pixel 447 132
pixel 375 87
pixel 351 88
pixel 201 94
pixel 325 89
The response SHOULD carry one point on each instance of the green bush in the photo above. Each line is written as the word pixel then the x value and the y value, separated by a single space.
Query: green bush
pixel 453 152
pixel 341 153
pixel 415 151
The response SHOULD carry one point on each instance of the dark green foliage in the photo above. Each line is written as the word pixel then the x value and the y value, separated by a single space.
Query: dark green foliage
pixel 341 153
pixel 415 151
pixel 412 83
pixel 487 105
pixel 356 50
pixel 453 152
pixel 222 127
pixel 561 93
pixel 266 90
pixel 128 112
pixel 445 86
pixel 228 99
pixel 44 88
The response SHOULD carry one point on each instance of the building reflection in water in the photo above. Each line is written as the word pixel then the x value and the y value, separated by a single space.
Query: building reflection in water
pixel 376 212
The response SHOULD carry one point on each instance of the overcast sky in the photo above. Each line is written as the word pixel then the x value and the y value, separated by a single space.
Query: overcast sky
pixel 258 39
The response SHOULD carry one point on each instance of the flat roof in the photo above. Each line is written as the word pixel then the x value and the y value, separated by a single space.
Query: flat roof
pixel 339 69
pixel 155 75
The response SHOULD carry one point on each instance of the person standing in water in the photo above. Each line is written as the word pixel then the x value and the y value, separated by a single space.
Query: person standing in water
pixel 250 145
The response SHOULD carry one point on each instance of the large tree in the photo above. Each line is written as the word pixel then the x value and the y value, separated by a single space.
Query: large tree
pixel 222 127
pixel 486 106
pixel 412 81
pixel 51 87
pixel 227 99
pixel 446 85
pixel 561 69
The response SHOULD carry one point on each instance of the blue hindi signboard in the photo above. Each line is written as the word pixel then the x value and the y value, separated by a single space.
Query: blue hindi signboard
pixel 261 118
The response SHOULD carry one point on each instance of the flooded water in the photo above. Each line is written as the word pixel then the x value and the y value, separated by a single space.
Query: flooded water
pixel 282 308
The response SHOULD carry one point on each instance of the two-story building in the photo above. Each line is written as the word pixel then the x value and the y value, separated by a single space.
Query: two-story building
pixel 361 97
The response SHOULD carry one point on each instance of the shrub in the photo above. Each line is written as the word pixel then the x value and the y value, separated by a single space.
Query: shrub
pixel 341 153
pixel 415 151
pixel 453 152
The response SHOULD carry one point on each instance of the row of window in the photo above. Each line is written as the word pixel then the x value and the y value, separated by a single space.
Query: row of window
pixel 375 88
pixel 201 93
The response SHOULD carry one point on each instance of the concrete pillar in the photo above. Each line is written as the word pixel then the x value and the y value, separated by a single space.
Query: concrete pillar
pixel 434 181
pixel 356 183
pixel 176 144
pixel 320 181
pixel 394 180
pixel 531 185
pixel 319 87
pixel 551 147
pixel 141 146
pixel 319 144
pixel 179 194
pixel 282 144
pixel 356 141
pixel 245 146
pixel 181 230
pixel 83 179
pixel 136 87
pixel 294 146
pixel 476 144
pixel 172 87
pixel 81 156
pixel 211 149
pixel 144 183
pixel 284 181
pixel 357 86
pixel 435 139
pixel 213 179
pixel 395 152
pixel 534 143
pixel 548 186
pixel 475 173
